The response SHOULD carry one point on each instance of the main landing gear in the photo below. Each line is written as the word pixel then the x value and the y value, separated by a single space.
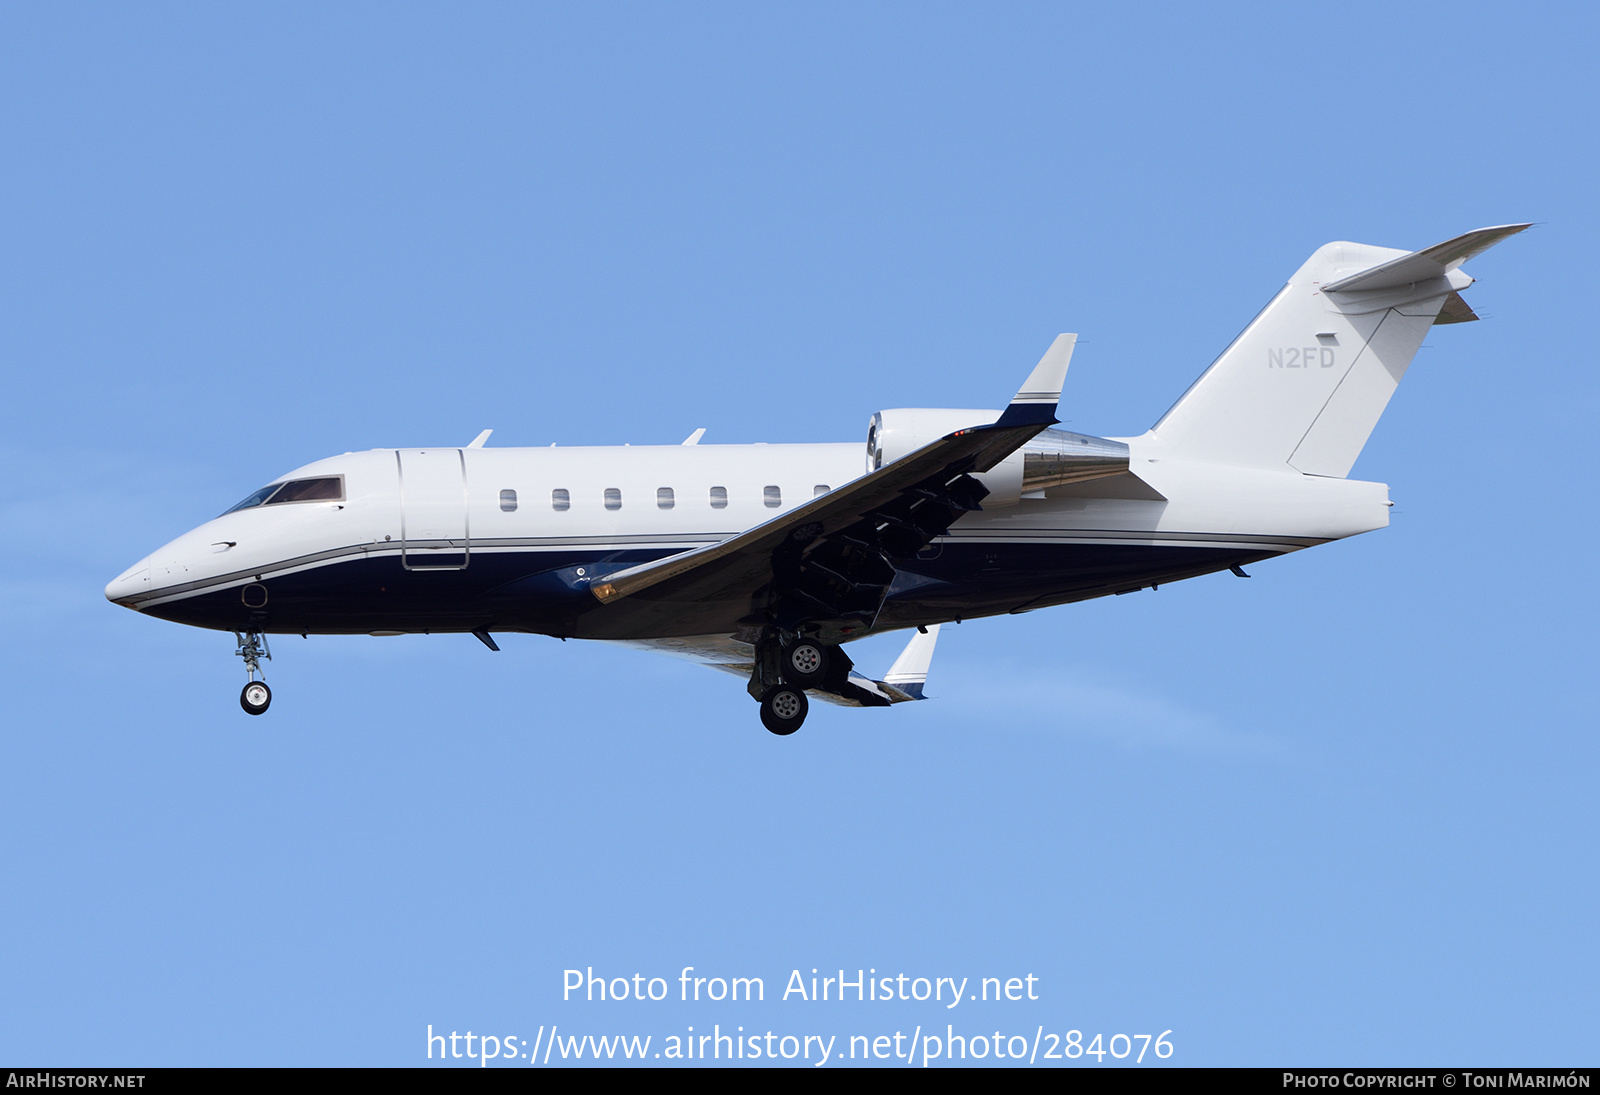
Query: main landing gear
pixel 805 662
pixel 783 709
pixel 783 672
pixel 256 696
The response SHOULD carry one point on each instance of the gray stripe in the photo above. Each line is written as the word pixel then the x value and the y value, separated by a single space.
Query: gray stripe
pixel 392 548
pixel 1220 539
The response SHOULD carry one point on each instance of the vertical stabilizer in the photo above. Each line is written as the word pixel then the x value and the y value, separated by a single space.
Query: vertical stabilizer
pixel 1304 384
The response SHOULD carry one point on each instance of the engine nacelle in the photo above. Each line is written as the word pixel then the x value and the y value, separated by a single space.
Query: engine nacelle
pixel 1051 459
pixel 902 431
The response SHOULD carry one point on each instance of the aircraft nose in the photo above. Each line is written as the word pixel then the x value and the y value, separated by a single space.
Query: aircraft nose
pixel 129 584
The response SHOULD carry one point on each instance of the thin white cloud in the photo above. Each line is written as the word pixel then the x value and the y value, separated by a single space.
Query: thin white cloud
pixel 1118 711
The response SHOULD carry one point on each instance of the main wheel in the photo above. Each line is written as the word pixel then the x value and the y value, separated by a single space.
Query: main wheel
pixel 783 709
pixel 256 697
pixel 805 662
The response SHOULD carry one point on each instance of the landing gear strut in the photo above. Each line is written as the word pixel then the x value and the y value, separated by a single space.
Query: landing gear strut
pixel 256 696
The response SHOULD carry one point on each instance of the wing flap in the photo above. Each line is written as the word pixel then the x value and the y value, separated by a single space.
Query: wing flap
pixel 903 682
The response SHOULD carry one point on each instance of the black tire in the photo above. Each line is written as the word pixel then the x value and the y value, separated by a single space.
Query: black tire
pixel 260 693
pixel 805 663
pixel 783 709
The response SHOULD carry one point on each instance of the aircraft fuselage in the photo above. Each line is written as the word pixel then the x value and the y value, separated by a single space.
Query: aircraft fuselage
pixel 509 539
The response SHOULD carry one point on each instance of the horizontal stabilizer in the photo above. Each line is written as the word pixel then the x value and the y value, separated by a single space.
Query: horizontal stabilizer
pixel 1432 262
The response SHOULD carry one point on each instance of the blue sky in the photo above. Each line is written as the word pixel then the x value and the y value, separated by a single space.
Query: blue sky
pixel 1341 813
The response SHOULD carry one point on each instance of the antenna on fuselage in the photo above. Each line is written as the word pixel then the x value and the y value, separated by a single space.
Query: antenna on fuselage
pixel 477 442
pixel 694 438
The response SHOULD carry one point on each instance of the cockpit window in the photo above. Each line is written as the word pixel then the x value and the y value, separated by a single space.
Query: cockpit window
pixel 328 488
pixel 255 499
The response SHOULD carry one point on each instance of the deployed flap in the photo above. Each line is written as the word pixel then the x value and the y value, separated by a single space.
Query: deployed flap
pixel 903 682
pixel 1433 262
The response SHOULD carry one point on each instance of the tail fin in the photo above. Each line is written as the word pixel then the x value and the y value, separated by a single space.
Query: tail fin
pixel 1305 382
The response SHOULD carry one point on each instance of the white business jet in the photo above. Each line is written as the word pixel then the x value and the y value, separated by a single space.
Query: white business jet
pixel 765 560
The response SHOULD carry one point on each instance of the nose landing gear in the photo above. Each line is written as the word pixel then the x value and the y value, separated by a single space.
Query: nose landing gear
pixel 256 696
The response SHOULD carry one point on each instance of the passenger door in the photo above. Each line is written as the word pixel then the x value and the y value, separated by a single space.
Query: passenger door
pixel 433 509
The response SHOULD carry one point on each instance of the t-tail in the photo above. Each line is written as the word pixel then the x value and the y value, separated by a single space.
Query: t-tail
pixel 1304 384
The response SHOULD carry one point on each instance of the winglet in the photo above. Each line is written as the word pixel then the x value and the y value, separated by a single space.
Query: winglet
pixel 694 438
pixel 910 670
pixel 477 442
pixel 1037 399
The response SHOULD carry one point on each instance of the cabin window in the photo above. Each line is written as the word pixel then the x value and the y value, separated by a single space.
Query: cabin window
pixel 664 497
pixel 771 497
pixel 508 500
pixel 560 499
pixel 719 497
pixel 613 498
pixel 819 490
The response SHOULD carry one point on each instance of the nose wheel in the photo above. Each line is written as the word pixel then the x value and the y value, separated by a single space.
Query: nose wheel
pixel 256 696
